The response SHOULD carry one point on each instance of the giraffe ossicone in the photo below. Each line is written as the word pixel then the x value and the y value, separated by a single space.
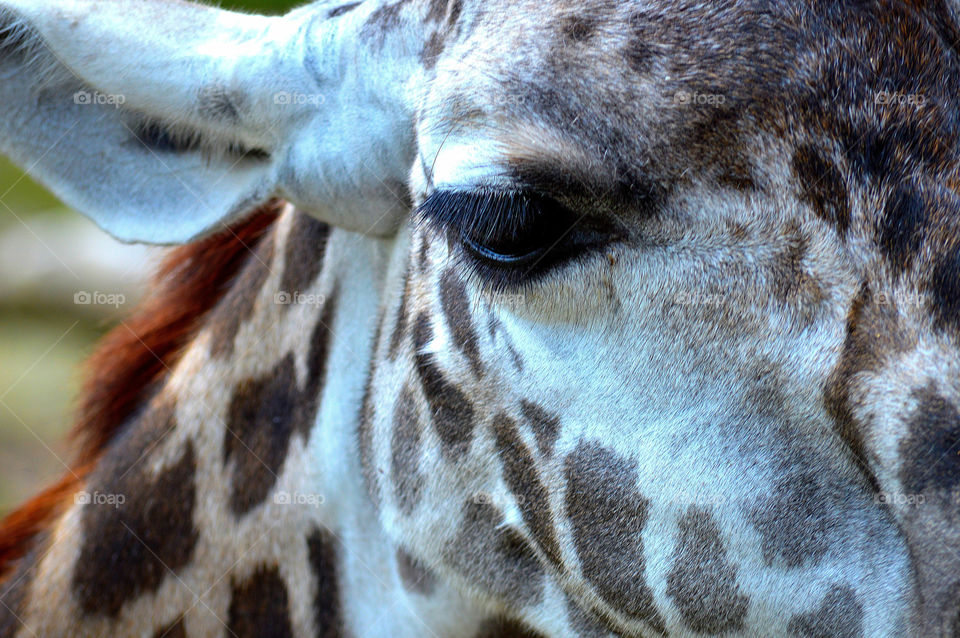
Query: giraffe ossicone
pixel 504 318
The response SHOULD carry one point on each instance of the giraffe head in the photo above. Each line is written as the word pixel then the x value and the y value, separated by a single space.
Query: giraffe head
pixel 670 307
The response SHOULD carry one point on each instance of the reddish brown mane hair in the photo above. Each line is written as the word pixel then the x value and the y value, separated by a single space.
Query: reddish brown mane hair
pixel 132 358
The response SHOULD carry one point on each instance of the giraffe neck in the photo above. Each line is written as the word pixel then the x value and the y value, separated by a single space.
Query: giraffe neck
pixel 234 499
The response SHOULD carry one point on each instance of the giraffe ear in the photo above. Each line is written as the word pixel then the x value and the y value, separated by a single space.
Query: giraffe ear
pixel 164 120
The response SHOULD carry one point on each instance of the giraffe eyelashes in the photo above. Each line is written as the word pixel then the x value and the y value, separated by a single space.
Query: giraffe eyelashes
pixel 509 237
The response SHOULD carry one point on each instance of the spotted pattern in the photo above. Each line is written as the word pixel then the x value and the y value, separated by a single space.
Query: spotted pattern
pixel 701 582
pixel 822 186
pixel 322 547
pixel 795 521
pixel 456 308
pixel 931 449
pixel 130 549
pixel 238 305
pixel 303 253
pixel 495 558
pixel 608 515
pixel 415 576
pixel 523 478
pixel 453 413
pixel 265 412
pixel 405 452
pixel 839 615
pixel 259 606
pixel 546 426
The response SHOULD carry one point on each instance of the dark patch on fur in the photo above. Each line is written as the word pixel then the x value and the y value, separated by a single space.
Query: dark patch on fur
pixel 640 55
pixel 505 628
pixel 901 228
pixel 930 452
pixel 495 558
pixel 384 19
pixel 160 138
pixel 579 27
pixel 265 412
pixel 523 479
pixel 400 323
pixel 405 451
pixel 874 332
pixel 822 187
pixel 546 426
pixel 839 615
pixel 944 290
pixel 260 606
pixel 238 305
pixel 432 50
pixel 129 549
pixel 793 285
pixel 173 630
pixel 795 522
pixel 342 9
pixel 701 582
pixel 15 589
pixel 322 547
pixel 303 255
pixel 456 309
pixel 452 413
pixel 414 575
pixel 216 103
pixel 607 515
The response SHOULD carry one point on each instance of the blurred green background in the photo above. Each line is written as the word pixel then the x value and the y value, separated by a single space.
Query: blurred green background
pixel 42 344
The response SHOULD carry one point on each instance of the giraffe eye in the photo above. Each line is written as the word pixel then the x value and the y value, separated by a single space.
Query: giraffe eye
pixel 509 236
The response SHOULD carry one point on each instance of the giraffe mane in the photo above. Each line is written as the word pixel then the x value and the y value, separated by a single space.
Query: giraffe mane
pixel 132 359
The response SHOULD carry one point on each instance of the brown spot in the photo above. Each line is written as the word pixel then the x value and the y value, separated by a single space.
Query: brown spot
pixel 546 427
pixel 303 255
pixel 260 422
pixel 414 575
pixel 944 287
pixel 901 228
pixel 432 50
pixel 639 53
pixel 265 412
pixel 381 21
pixel 342 9
pixel 260 607
pixel 505 628
pixel 702 584
pixel 822 187
pixel 793 286
pixel 495 558
pixel 795 521
pixel 839 615
pixel 322 546
pixel 579 27
pixel 400 323
pixel 173 630
pixel 929 451
pixel 405 449
pixel 452 413
pixel 607 515
pixel 524 480
pixel 238 305
pixel 456 308
pixel 129 549
pixel 874 332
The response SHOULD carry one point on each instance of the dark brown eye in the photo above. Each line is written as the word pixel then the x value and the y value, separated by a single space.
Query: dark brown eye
pixel 514 235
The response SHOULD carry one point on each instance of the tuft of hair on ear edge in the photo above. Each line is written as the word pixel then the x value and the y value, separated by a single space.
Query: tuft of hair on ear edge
pixel 22 45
